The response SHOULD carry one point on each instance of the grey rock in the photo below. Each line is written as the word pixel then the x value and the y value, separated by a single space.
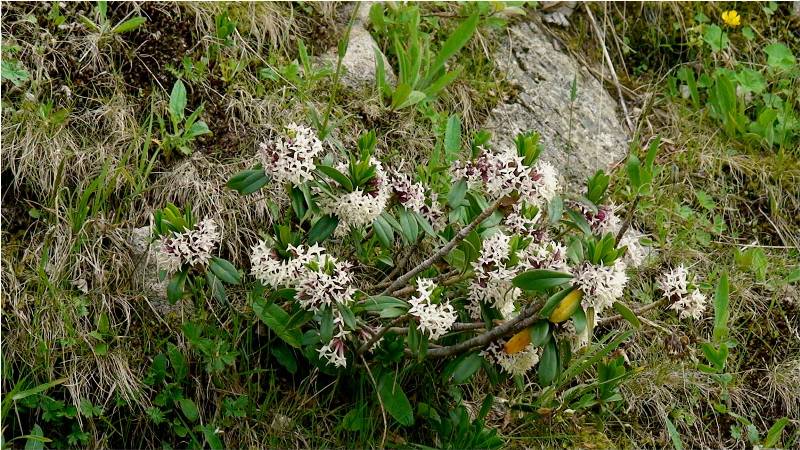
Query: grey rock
pixel 359 62
pixel 579 138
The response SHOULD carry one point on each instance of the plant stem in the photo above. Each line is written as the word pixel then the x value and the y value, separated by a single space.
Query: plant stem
pixel 337 75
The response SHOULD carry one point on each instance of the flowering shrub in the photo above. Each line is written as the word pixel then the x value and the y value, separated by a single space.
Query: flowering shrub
pixel 517 274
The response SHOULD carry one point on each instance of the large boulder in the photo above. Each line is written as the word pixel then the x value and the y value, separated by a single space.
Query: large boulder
pixel 579 137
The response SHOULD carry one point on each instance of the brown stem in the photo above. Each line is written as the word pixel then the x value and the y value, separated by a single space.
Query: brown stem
pixel 377 336
pixel 403 280
pixel 525 319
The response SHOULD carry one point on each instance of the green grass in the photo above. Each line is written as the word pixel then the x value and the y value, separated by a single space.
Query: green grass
pixel 85 161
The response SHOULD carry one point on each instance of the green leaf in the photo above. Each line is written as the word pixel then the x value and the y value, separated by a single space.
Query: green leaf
pixel 197 129
pixel 779 56
pixel 774 433
pixel 129 25
pixel 423 222
pixel 627 314
pixel 395 400
pixel 384 231
pixel 408 223
pixel 211 437
pixel 452 138
pixel 277 319
pixel 189 409
pixel 337 176
pixel 548 363
pixel 458 191
pixel 285 357
pixel 453 45
pixel 716 38
pixel 467 367
pixel 721 312
pixel 794 276
pixel 175 286
pixel 751 80
pixel 224 270
pixel 634 172
pixel 579 320
pixel 674 435
pixel 540 280
pixel 555 209
pixel 553 301
pixel 177 101
pixel 323 228
pixel 540 331
pixel 13 72
pixel 412 99
pixel 579 222
pixel 36 439
pixel 179 366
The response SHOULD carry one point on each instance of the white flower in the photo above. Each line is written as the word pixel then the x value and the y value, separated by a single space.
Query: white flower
pixel 412 196
pixel 494 288
pixel 637 253
pixel 495 251
pixel 517 223
pixel 691 305
pixel 674 283
pixel 601 285
pixel 320 279
pixel 333 351
pixel 516 364
pixel 434 319
pixel 291 158
pixel 503 172
pixel 191 247
pixel 267 266
pixel 605 221
pixel 359 208
pixel 550 255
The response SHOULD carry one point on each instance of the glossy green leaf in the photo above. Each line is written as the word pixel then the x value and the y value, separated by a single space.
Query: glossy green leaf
pixel 540 280
pixel 395 400
pixel 323 228
pixel 277 319
pixel 627 314
pixel 224 270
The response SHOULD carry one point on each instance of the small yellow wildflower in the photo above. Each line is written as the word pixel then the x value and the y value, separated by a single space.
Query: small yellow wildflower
pixel 731 18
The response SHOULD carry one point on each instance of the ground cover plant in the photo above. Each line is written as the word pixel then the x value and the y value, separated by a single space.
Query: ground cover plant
pixel 212 238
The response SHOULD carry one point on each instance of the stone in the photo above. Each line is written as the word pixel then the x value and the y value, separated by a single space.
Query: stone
pixel 359 62
pixel 578 138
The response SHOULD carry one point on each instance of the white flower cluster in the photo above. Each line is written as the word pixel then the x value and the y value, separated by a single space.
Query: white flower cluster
pixel 191 247
pixel 637 253
pixel 333 351
pixel 601 285
pixel 359 208
pixel 291 158
pixel 411 194
pixel 504 172
pixel 675 287
pixel 492 282
pixel 320 279
pixel 515 364
pixel 434 319
pixel 517 223
pixel 549 255
pixel 604 221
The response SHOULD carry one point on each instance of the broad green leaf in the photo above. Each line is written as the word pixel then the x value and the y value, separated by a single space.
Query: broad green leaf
pixel 384 231
pixel 458 191
pixel 189 409
pixel 36 439
pixel 408 223
pixel 179 366
pixel 177 100
pixel 13 72
pixel 774 433
pixel 467 367
pixel 716 38
pixel 337 176
pixel 175 286
pixel 197 129
pixel 540 331
pixel 540 280
pixel 627 314
pixel 323 228
pixel 779 56
pixel 277 319
pixel 224 270
pixel 395 400
pixel 412 99
pixel 285 357
pixel 578 221
pixel 553 301
pixel 555 209
pixel 423 222
pixel 751 80
pixel 548 363
pixel 213 440
pixel 129 25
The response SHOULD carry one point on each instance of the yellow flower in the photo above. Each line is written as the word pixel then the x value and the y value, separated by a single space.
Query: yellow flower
pixel 731 18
